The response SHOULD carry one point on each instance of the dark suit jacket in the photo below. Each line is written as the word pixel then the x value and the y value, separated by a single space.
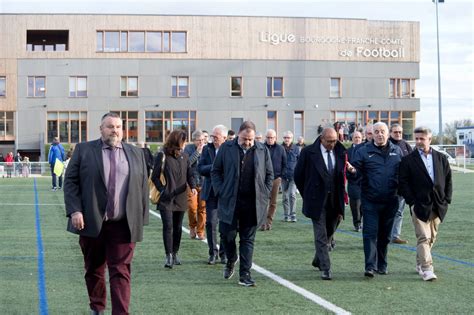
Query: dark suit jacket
pixel 225 176
pixel 419 190
pixel 204 167
pixel 312 179
pixel 85 189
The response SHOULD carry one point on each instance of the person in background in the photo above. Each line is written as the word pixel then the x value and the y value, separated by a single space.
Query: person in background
pixel 196 206
pixel 353 185
pixel 319 176
pixel 230 135
pixel 18 164
pixel 242 177
pixel 106 200
pixel 300 143
pixel 173 201
pixel 209 195
pixel 56 152
pixel 377 163
pixel 207 139
pixel 278 157
pixel 259 137
pixel 26 169
pixel 288 186
pixel 396 137
pixel 148 156
pixel 426 184
pixel 9 160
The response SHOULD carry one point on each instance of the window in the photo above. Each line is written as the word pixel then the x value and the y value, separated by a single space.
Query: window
pixel 272 120
pixel 335 88
pixel 141 41
pixel 408 125
pixel 36 86
pixel 129 125
pixel 70 127
pixel 129 86
pixel 298 122
pixel 236 86
pixel 159 124
pixel 401 88
pixel 274 87
pixel 179 86
pixel 47 40
pixel 7 126
pixel 3 86
pixel 77 86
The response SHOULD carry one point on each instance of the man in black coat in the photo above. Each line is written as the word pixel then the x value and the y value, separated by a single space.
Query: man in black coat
pixel 426 184
pixel 396 137
pixel 106 199
pixel 242 177
pixel 353 185
pixel 319 176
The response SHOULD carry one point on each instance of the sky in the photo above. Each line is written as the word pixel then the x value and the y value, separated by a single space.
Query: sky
pixel 456 34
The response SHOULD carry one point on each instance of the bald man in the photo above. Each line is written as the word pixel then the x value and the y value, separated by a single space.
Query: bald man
pixel 319 176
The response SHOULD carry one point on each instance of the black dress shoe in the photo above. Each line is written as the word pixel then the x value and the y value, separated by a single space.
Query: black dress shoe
pixel 247 281
pixel 212 260
pixel 315 263
pixel 229 270
pixel 169 261
pixel 369 273
pixel 326 275
pixel 93 312
pixel 176 260
pixel 382 271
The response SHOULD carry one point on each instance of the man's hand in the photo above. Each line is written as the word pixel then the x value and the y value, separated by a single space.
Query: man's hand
pixel 350 168
pixel 77 220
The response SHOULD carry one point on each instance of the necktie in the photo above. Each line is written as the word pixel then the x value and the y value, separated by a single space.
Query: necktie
pixel 111 184
pixel 330 166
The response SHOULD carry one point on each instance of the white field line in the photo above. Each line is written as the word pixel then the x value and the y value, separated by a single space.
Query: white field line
pixel 293 287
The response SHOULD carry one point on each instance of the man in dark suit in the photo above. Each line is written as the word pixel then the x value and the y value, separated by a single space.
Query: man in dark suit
pixel 242 178
pixel 209 152
pixel 106 199
pixel 425 183
pixel 319 176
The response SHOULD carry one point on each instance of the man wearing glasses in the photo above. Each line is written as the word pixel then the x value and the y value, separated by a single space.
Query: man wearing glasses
pixel 319 176
pixel 396 137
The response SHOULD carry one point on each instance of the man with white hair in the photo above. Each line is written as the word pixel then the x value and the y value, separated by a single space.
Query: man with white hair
pixel 288 186
pixel 219 135
pixel 377 163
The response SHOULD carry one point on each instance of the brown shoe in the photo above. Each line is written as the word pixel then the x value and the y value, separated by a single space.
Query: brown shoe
pixel 399 241
pixel 192 233
pixel 201 237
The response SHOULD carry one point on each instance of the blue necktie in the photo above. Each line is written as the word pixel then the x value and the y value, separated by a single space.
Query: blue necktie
pixel 330 166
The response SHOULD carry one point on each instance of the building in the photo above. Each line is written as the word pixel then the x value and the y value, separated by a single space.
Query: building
pixel 60 73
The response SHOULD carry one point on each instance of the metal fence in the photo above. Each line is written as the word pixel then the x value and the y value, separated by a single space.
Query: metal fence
pixel 24 169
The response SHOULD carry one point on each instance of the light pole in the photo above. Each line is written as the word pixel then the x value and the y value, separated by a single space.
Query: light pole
pixel 440 111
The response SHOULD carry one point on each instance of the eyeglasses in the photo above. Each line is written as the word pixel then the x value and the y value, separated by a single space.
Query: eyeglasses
pixel 396 131
pixel 286 137
pixel 271 137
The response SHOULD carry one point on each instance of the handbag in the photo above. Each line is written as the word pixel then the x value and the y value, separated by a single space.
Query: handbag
pixel 155 193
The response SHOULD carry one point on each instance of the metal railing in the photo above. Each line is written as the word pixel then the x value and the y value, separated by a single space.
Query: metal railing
pixel 24 169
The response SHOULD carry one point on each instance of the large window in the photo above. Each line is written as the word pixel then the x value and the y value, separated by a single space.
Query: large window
pixel 3 86
pixel 401 88
pixel 159 124
pixel 129 125
pixel 77 86
pixel 47 40
pixel 236 86
pixel 142 41
pixel 70 127
pixel 274 87
pixel 335 88
pixel 7 126
pixel 272 120
pixel 129 86
pixel 298 122
pixel 36 86
pixel 179 86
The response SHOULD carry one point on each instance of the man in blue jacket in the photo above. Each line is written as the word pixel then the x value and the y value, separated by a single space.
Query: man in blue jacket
pixel 377 162
pixel 56 152
pixel 288 186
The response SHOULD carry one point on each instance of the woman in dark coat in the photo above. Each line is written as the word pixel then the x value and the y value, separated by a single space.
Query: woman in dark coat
pixel 173 200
